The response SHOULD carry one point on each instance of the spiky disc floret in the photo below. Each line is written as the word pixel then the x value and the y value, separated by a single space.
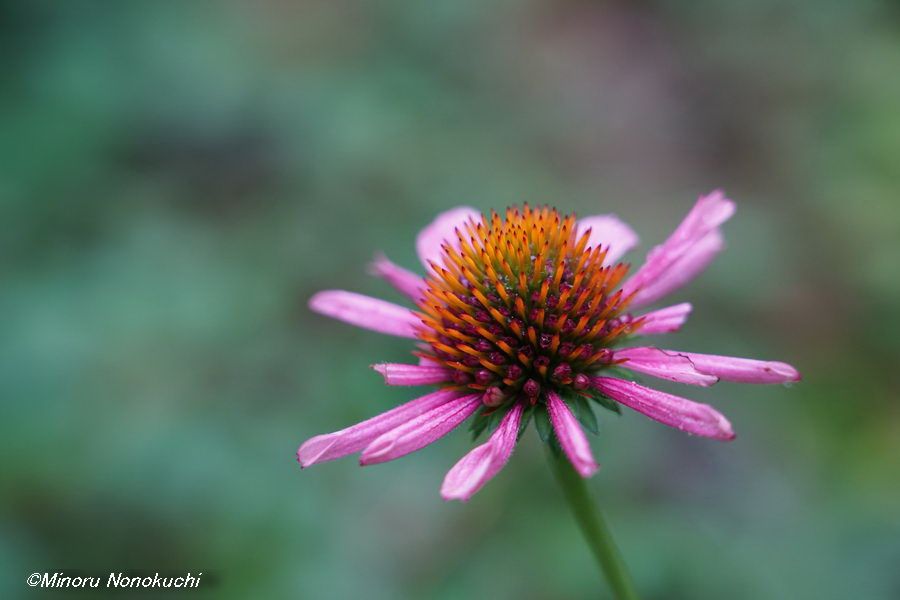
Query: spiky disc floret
pixel 521 305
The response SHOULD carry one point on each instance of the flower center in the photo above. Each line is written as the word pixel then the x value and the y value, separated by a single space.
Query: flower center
pixel 522 304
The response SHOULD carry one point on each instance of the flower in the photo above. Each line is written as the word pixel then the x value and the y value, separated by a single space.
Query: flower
pixel 524 316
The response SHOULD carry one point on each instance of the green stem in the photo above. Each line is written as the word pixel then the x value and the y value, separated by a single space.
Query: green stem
pixel 590 519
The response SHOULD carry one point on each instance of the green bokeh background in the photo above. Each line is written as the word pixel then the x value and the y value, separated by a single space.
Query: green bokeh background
pixel 178 178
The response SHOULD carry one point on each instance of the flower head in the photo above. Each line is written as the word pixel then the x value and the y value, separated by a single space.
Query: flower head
pixel 525 315
pixel 522 304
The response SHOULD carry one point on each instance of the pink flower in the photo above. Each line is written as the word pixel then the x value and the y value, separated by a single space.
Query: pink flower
pixel 523 316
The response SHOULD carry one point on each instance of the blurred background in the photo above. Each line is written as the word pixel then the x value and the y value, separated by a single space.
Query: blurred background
pixel 176 179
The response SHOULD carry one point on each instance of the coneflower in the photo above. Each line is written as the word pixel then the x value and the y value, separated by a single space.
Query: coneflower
pixel 525 316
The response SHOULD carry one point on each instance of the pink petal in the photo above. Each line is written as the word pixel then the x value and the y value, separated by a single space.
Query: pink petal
pixel 679 253
pixel 427 361
pixel 571 437
pixel 708 213
pixel 742 370
pixel 421 431
pixel 404 281
pixel 665 365
pixel 481 464
pixel 665 320
pixel 441 230
pixel 398 374
pixel 610 232
pixel 674 411
pixel 693 262
pixel 366 312
pixel 353 439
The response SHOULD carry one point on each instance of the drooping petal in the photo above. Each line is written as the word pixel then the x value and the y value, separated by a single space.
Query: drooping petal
pixel 693 262
pixel 665 365
pixel 705 217
pixel 366 312
pixel 441 230
pixel 421 431
pixel 665 320
pixel 406 282
pixel 609 232
pixel 741 370
pixel 674 411
pixel 572 438
pixel 353 439
pixel 399 374
pixel 481 464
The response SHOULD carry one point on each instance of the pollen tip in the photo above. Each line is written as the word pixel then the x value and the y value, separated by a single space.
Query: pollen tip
pixel 483 377
pixel 493 396
pixel 562 372
pixel 461 377
pixel 581 382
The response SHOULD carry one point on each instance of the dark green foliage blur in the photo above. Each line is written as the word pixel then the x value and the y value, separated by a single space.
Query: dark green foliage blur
pixel 177 178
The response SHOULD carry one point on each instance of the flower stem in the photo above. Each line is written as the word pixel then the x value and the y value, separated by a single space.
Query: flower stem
pixel 590 519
